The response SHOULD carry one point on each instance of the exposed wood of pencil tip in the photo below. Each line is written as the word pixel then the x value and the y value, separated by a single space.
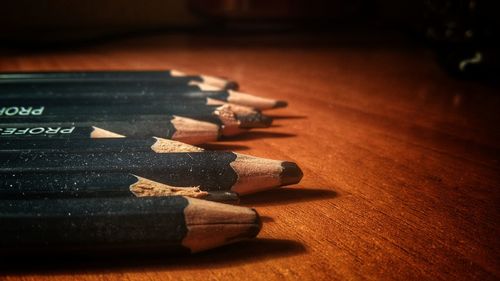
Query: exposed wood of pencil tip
pixel 170 146
pixel 231 223
pixel 258 174
pixel 254 101
pixel 237 108
pixel 216 82
pixel 247 116
pixel 99 133
pixel 145 187
pixel 193 131
pixel 230 124
pixel 219 82
pixel 245 99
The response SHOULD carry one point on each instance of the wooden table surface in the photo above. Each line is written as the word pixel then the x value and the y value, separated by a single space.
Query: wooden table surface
pixel 401 161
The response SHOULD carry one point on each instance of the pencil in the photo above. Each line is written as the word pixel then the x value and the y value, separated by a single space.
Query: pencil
pixel 118 75
pixel 195 109
pixel 208 171
pixel 37 107
pixel 171 127
pixel 125 145
pixel 91 184
pixel 130 90
pixel 171 225
pixel 137 125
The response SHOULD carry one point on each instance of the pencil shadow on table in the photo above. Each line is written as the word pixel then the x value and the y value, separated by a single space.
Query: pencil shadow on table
pixel 245 252
pixel 275 126
pixel 277 117
pixel 287 195
pixel 223 146
pixel 253 135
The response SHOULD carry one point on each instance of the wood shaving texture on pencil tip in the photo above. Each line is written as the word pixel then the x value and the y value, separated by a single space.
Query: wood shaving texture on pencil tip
pixel 101 133
pixel 145 187
pixel 247 117
pixel 231 125
pixel 236 108
pixel 232 223
pixel 170 146
pixel 226 115
pixel 193 131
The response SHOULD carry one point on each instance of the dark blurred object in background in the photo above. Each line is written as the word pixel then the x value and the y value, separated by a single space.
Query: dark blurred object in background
pixel 462 31
pixel 60 20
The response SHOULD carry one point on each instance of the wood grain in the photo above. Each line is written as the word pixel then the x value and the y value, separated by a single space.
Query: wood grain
pixel 401 161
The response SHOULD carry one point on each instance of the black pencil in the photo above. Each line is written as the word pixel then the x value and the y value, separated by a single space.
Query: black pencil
pixel 91 184
pixel 96 184
pixel 208 171
pixel 137 125
pixel 125 145
pixel 171 127
pixel 118 75
pixel 101 225
pixel 222 115
pixel 26 107
pixel 128 90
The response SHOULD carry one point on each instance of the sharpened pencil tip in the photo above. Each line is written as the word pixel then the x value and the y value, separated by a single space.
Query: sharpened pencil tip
pixel 254 120
pixel 258 224
pixel 231 223
pixel 291 174
pixel 220 83
pixel 267 121
pixel 232 85
pixel 280 104
pixel 253 101
pixel 192 131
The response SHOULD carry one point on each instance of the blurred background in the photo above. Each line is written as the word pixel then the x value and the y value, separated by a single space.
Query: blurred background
pixel 461 32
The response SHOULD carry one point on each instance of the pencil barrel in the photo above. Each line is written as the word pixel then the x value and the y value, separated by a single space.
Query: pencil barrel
pixel 90 184
pixel 93 224
pixel 210 171
pixel 94 76
pixel 106 91
pixel 77 129
pixel 170 76
pixel 124 145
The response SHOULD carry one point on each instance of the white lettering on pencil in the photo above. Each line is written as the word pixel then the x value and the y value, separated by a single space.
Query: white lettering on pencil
pixel 21 111
pixel 38 111
pixel 36 131
pixel 67 131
